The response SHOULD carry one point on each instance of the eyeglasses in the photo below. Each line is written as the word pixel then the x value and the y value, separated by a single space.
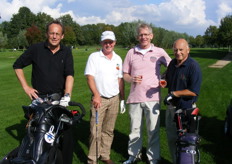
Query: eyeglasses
pixel 108 42
pixel 53 33
pixel 145 35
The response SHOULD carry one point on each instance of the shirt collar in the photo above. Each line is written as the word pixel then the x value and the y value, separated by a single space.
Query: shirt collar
pixel 136 49
pixel 46 45
pixel 186 62
pixel 102 55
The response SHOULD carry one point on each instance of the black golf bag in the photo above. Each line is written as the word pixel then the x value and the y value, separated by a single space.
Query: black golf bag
pixel 228 120
pixel 45 128
pixel 187 122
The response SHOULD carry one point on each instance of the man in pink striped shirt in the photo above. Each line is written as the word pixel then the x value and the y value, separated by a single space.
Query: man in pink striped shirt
pixel 141 68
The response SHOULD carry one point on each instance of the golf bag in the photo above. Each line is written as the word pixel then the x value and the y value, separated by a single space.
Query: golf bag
pixel 46 124
pixel 228 120
pixel 187 122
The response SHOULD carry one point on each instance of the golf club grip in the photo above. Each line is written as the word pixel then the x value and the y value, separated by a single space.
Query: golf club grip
pixel 195 111
pixel 83 111
pixel 97 117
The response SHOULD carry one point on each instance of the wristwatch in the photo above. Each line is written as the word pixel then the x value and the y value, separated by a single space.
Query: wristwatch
pixel 67 95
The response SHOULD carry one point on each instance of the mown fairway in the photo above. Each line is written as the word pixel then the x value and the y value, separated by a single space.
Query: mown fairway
pixel 216 94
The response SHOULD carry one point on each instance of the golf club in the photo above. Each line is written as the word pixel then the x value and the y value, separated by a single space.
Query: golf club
pixel 97 136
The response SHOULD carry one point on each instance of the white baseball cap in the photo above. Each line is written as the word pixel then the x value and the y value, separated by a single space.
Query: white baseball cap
pixel 108 35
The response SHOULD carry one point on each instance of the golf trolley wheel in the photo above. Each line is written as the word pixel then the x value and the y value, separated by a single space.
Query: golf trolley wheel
pixel 227 126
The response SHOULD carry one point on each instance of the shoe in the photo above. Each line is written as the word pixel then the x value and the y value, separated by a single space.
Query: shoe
pixel 153 162
pixel 108 161
pixel 130 160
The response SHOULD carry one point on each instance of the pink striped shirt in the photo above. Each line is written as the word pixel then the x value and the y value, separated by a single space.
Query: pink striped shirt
pixel 147 65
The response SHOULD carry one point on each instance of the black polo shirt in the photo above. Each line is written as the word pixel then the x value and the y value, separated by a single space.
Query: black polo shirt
pixel 186 76
pixel 49 70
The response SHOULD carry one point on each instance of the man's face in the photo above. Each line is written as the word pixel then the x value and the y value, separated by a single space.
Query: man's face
pixel 54 35
pixel 108 46
pixel 181 50
pixel 144 38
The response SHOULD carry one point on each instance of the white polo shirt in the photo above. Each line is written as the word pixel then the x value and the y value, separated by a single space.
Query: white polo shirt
pixel 106 72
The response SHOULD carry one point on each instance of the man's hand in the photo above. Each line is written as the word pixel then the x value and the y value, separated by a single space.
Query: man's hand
pixel 168 99
pixel 65 100
pixel 122 107
pixel 31 92
pixel 96 101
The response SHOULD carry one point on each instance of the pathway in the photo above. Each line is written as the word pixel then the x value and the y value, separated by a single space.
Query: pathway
pixel 223 62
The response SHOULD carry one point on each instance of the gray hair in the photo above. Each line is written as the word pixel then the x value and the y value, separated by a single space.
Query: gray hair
pixel 143 26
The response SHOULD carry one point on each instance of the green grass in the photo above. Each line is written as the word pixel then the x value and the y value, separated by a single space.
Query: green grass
pixel 216 94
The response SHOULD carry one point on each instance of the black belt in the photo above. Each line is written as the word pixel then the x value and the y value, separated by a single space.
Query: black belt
pixel 108 97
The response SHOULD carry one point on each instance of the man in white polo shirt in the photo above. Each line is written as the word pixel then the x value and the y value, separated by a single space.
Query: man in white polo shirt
pixel 141 68
pixel 105 80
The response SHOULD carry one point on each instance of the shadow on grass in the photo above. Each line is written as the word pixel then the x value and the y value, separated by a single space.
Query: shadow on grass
pixel 217 143
pixel 20 130
pixel 80 132
pixel 214 141
pixel 81 136
pixel 119 145
pixel 207 53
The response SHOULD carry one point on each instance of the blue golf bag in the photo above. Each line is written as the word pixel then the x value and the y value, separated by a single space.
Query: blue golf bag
pixel 187 122
pixel 45 128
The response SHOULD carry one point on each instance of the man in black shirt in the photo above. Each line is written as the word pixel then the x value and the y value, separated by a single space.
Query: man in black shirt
pixel 52 72
pixel 52 65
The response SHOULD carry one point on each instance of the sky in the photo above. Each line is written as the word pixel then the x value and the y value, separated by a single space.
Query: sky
pixel 183 16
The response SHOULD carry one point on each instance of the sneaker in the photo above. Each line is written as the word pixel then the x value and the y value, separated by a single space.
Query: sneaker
pixel 130 160
pixel 153 162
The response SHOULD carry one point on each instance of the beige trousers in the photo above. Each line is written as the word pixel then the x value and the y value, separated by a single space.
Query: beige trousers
pixel 101 135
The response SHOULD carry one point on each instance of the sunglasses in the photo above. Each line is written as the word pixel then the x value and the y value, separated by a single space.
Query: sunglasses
pixel 108 42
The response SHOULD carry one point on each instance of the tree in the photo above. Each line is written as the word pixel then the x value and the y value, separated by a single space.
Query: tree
pixel 225 31
pixel 80 40
pixel 66 20
pixel 22 40
pixel 76 28
pixel 211 36
pixel 3 40
pixel 70 37
pixel 33 35
pixel 159 34
pixel 24 19
pixel 41 20
pixel 126 33
pixel 91 34
pixel 169 38
pixel 199 41
pixel 192 41
pixel 35 26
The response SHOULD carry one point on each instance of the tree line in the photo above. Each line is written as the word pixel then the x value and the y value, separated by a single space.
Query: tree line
pixel 26 28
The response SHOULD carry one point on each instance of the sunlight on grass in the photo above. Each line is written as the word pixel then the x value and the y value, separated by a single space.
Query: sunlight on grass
pixel 215 95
